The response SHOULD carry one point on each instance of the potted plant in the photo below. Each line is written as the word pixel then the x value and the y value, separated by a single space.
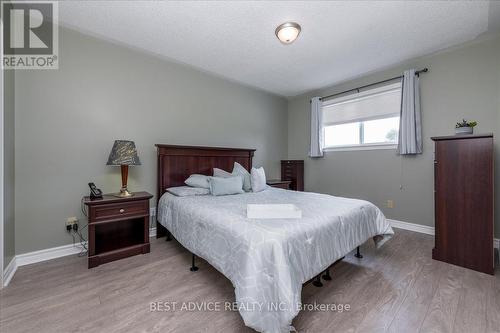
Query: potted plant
pixel 465 127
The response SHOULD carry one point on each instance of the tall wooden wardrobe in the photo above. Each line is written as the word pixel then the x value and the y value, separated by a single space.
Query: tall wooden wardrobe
pixel 463 195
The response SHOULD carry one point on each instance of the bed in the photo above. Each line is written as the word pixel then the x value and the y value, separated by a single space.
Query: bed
pixel 267 261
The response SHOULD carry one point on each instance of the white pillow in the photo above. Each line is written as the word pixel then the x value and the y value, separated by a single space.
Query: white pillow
pixel 239 170
pixel 258 179
pixel 187 191
pixel 226 186
pixel 196 180
pixel 221 173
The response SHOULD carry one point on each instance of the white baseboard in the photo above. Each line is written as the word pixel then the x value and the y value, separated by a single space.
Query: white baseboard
pixel 424 229
pixel 44 255
pixel 9 271
pixel 47 254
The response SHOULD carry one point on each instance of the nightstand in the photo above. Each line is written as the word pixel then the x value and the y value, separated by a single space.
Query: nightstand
pixel 285 184
pixel 118 227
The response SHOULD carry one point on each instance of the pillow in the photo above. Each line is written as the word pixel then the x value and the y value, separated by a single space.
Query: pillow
pixel 226 186
pixel 221 173
pixel 258 179
pixel 196 180
pixel 239 170
pixel 186 191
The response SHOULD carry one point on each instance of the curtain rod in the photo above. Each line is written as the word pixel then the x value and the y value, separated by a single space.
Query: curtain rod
pixel 425 70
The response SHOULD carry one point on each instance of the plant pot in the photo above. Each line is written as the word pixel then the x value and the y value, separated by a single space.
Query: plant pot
pixel 464 130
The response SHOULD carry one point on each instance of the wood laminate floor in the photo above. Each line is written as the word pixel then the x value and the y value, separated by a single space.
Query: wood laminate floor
pixel 397 288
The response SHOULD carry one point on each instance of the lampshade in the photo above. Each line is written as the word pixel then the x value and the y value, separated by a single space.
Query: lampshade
pixel 123 153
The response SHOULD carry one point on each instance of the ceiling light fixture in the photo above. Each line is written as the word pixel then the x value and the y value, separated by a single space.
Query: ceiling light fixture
pixel 287 32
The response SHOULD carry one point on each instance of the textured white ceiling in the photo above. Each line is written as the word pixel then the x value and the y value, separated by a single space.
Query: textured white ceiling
pixel 235 39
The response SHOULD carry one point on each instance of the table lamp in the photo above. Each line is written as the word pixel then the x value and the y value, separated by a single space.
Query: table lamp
pixel 123 154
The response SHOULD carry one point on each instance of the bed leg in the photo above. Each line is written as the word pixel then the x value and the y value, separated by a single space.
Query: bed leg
pixel 358 254
pixel 327 275
pixel 160 230
pixel 169 236
pixel 193 267
pixel 317 281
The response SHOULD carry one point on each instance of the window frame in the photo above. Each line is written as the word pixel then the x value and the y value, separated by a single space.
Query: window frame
pixel 363 146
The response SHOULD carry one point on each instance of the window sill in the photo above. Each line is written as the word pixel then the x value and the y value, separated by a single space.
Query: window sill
pixel 390 146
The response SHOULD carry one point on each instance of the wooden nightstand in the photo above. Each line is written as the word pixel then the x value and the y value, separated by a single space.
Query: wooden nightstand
pixel 118 227
pixel 285 184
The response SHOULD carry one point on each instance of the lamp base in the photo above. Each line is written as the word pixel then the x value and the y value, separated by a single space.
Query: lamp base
pixel 124 193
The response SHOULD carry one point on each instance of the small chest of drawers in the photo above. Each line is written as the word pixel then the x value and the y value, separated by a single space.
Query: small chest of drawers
pixel 118 227
pixel 293 170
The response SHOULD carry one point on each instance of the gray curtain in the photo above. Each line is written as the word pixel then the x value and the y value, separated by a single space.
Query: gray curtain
pixel 410 123
pixel 317 141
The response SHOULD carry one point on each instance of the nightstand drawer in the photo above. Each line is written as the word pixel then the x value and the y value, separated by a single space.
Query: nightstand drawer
pixel 119 210
pixel 285 186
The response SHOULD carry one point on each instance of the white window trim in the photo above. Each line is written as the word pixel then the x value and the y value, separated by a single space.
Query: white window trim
pixel 366 146
pixel 362 146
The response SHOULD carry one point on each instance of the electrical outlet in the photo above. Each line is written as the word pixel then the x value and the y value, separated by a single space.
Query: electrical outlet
pixel 152 211
pixel 71 223
pixel 390 203
pixel 71 220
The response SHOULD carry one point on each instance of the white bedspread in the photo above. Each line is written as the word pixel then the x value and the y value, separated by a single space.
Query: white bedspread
pixel 268 260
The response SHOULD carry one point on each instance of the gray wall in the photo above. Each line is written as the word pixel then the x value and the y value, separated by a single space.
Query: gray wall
pixel 67 120
pixel 8 142
pixel 462 83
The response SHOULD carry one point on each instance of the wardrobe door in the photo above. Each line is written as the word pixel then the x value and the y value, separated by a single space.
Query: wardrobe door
pixel 464 202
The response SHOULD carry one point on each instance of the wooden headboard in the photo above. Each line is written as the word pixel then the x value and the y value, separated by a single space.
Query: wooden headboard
pixel 176 163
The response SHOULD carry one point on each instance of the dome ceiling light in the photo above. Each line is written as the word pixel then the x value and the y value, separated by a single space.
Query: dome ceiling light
pixel 287 32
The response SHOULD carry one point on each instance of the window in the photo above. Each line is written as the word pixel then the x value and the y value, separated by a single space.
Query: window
pixel 368 119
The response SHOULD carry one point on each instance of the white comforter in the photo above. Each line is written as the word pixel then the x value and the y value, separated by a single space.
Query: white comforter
pixel 268 260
